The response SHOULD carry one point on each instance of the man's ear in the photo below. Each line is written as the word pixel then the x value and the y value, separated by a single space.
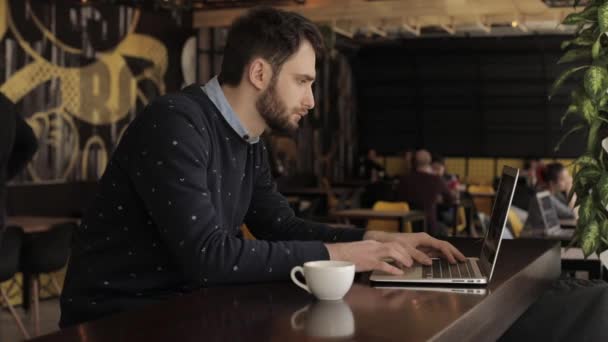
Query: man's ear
pixel 259 73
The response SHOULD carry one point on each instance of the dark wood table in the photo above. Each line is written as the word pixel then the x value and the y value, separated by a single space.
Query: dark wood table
pixel 370 214
pixel 282 312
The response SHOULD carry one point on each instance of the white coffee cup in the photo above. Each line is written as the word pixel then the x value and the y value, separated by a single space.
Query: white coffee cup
pixel 325 318
pixel 326 279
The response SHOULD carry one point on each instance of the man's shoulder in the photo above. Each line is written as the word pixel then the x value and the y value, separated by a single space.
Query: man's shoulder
pixel 188 103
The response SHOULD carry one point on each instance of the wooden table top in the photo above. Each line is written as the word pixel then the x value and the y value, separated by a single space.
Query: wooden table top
pixel 36 224
pixel 379 214
pixel 281 311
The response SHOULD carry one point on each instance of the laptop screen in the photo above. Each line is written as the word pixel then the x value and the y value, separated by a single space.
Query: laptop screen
pixel 502 202
pixel 547 209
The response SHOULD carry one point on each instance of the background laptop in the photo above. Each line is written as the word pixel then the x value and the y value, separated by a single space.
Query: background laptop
pixel 474 271
pixel 551 221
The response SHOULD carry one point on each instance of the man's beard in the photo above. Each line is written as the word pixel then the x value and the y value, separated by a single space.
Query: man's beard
pixel 274 111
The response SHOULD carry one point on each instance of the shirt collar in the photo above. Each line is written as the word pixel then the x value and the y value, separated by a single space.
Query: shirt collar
pixel 216 95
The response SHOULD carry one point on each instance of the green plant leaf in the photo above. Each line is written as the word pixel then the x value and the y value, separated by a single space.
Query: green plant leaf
pixel 586 212
pixel 590 13
pixel 588 109
pixel 587 160
pixel 574 55
pixel 603 101
pixel 602 188
pixel 595 49
pixel 590 238
pixel 571 109
pixel 588 176
pixel 562 78
pixel 604 229
pixel 596 82
pixel 602 17
pixel 593 141
pixel 578 41
pixel 575 189
pixel 573 19
pixel 601 61
pixel 584 39
pixel 565 136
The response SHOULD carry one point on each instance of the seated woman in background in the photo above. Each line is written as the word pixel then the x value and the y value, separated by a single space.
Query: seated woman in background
pixel 558 181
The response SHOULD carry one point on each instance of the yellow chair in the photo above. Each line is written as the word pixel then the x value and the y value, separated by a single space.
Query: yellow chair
pixel 461 219
pixel 516 225
pixel 389 225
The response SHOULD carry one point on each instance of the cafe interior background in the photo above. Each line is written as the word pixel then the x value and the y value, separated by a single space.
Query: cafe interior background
pixel 468 79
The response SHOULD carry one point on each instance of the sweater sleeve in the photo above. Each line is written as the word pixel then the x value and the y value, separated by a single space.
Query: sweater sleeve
pixel 169 171
pixel 271 218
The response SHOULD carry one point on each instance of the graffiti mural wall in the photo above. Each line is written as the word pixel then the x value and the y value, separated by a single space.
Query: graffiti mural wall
pixel 79 75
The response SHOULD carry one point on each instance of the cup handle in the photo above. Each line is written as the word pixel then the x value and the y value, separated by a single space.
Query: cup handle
pixel 295 316
pixel 296 281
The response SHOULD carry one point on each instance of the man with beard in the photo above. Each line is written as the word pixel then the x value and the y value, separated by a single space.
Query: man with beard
pixel 190 170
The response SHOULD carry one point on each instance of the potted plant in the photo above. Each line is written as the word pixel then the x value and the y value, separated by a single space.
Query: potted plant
pixel 588 52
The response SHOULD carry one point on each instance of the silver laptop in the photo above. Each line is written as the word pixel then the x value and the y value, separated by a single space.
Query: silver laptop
pixel 474 271
pixel 551 222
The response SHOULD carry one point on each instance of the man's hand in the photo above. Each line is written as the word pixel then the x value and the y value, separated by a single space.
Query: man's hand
pixel 422 242
pixel 373 255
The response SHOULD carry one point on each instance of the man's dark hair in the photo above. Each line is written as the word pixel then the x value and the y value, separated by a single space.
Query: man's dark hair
pixel 552 171
pixel 268 33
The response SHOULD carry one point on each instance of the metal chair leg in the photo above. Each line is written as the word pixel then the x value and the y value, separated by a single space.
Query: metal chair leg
pixel 36 304
pixel 14 314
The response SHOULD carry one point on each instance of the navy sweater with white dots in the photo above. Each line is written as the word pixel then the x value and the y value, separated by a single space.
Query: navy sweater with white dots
pixel 168 212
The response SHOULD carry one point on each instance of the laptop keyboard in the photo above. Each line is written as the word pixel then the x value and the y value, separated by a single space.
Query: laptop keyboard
pixel 441 269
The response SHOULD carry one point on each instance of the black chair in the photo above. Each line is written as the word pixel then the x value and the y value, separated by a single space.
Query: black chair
pixel 10 249
pixel 44 252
